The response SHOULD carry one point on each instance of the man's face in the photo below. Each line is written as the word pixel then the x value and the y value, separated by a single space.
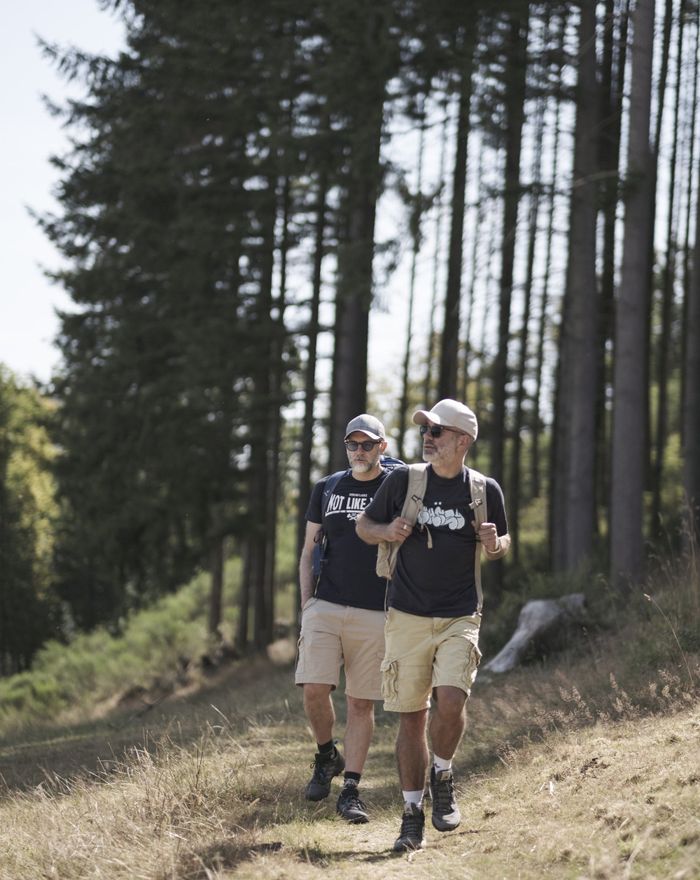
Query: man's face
pixel 362 460
pixel 448 448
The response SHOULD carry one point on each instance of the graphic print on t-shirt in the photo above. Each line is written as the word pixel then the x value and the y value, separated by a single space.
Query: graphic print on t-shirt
pixel 436 516
pixel 351 505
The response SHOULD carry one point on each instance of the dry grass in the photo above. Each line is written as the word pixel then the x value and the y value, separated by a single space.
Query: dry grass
pixel 564 773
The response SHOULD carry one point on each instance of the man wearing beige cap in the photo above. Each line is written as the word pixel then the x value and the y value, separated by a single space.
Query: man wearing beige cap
pixel 342 615
pixel 432 626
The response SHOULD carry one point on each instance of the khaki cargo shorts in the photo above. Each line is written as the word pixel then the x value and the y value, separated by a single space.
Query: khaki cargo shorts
pixel 427 652
pixel 332 635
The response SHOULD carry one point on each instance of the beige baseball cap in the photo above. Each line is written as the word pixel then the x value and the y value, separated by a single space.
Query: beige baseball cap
pixel 451 414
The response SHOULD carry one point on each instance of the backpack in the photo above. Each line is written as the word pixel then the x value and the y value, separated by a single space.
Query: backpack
pixel 412 505
pixel 319 553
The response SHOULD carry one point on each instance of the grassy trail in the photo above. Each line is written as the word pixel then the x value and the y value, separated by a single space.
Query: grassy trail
pixel 551 783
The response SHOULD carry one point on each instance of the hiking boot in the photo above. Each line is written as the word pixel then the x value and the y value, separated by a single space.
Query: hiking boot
pixel 350 806
pixel 446 815
pixel 412 825
pixel 325 768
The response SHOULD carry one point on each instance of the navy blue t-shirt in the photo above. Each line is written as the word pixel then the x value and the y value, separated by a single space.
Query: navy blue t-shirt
pixel 437 582
pixel 348 575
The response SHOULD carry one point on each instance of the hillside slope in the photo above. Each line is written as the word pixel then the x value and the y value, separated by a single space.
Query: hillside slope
pixel 209 785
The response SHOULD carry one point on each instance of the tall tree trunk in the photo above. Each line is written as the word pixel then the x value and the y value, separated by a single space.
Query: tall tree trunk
pixel 473 275
pixel 691 398
pixel 651 258
pixel 687 247
pixel 515 489
pixel 612 93
pixel 538 422
pixel 665 340
pixel 306 447
pixel 629 414
pixel 490 287
pixel 575 465
pixel 216 591
pixel 437 262
pixel 356 247
pixel 262 416
pixel 278 368
pixel 516 69
pixel 447 381
pixel 416 217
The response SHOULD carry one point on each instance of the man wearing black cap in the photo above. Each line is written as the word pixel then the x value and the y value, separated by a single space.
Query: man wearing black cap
pixel 432 626
pixel 342 616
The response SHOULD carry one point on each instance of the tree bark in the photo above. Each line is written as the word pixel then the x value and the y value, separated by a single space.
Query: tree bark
pixel 515 114
pixel 447 381
pixel 575 465
pixel 356 244
pixel 629 413
pixel 306 445
pixel 666 330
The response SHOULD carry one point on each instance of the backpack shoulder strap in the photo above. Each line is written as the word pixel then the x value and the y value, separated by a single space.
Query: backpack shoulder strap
pixel 417 483
pixel 415 492
pixel 477 490
pixel 389 463
pixel 387 551
pixel 329 487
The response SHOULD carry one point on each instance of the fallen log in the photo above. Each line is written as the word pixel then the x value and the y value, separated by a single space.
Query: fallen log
pixel 539 620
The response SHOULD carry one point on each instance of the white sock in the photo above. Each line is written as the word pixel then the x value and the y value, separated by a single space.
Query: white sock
pixel 441 764
pixel 413 797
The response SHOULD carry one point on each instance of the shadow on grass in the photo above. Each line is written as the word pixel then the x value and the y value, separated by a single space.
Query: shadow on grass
pixel 227 855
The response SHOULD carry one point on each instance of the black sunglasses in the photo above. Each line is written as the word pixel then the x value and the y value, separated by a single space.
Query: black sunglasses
pixel 436 430
pixel 367 445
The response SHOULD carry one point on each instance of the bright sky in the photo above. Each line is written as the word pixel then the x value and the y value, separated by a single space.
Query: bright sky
pixel 30 135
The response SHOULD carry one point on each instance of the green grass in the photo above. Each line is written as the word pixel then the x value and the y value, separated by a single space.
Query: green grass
pixel 581 764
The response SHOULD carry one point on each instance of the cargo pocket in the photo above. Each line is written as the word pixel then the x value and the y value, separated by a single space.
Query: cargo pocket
pixel 470 667
pixel 390 671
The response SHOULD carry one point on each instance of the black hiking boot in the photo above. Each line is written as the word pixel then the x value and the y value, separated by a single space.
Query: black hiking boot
pixel 350 806
pixel 325 768
pixel 412 825
pixel 446 815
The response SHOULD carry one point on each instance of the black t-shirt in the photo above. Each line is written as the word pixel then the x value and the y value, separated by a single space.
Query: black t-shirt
pixel 437 582
pixel 348 576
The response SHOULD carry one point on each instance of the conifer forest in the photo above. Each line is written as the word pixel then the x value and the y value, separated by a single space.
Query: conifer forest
pixel 244 183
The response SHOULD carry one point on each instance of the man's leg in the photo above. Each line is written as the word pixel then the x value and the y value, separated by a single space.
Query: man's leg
pixel 363 647
pixel 407 673
pixel 412 750
pixel 319 710
pixel 317 671
pixel 358 735
pixel 448 721
pixel 412 760
pixel 328 762
pixel 456 662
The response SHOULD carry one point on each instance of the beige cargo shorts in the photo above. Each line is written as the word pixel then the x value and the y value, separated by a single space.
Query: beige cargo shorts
pixel 423 653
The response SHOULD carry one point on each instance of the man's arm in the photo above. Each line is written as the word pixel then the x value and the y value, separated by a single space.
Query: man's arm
pixel 493 535
pixel 372 532
pixel 306 573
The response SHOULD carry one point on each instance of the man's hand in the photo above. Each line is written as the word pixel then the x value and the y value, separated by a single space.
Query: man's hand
pixel 373 532
pixel 488 535
pixel 398 530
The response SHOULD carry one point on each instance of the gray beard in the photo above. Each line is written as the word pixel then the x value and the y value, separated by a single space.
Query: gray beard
pixel 362 468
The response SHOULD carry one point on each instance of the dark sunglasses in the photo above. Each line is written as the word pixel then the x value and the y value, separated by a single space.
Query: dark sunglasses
pixel 436 430
pixel 367 445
